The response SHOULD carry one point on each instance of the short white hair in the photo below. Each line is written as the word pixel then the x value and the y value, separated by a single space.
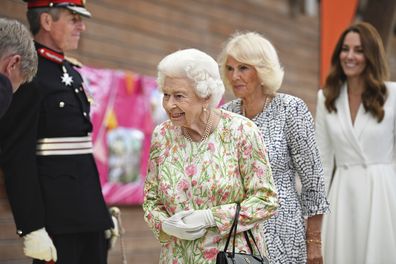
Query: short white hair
pixel 15 38
pixel 198 67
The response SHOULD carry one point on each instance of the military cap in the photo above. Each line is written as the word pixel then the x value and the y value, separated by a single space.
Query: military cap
pixel 77 6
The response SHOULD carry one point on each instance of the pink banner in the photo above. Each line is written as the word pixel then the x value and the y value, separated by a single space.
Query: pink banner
pixel 124 110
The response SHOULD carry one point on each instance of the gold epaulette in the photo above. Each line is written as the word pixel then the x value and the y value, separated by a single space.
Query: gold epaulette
pixel 74 61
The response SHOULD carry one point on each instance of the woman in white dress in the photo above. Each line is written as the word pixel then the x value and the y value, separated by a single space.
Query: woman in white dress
pixel 356 132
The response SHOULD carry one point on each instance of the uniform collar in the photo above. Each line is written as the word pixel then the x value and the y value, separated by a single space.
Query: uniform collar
pixel 50 54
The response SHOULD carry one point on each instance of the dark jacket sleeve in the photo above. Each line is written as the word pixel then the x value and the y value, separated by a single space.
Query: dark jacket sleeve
pixel 5 94
pixel 18 136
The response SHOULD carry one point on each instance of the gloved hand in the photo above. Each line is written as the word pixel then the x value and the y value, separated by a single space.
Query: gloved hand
pixel 200 217
pixel 175 226
pixel 38 245
pixel 112 234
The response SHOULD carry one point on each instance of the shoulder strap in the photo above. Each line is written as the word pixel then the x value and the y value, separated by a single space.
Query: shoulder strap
pixel 74 61
pixel 247 234
pixel 233 227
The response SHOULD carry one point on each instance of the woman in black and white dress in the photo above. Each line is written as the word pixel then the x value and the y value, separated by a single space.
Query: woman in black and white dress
pixel 250 67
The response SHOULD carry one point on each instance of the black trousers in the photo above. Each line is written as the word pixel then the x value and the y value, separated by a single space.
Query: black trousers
pixel 80 248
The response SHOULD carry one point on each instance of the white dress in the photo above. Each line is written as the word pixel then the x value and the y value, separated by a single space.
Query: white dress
pixel 361 225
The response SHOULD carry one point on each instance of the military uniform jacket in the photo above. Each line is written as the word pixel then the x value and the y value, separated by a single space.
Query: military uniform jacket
pixel 59 192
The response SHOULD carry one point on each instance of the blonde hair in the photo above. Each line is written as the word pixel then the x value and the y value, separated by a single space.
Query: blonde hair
pixel 253 49
pixel 197 66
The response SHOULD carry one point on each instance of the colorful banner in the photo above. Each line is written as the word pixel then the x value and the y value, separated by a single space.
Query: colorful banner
pixel 335 17
pixel 125 108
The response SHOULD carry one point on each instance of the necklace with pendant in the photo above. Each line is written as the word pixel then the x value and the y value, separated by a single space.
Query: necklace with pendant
pixel 66 78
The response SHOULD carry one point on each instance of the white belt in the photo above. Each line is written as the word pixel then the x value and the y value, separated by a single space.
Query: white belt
pixel 363 164
pixel 64 146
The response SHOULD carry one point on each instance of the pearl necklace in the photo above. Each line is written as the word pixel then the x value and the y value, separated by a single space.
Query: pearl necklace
pixel 208 128
pixel 266 103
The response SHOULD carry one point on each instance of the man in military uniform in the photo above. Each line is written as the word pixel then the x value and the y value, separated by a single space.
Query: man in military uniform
pixel 50 173
pixel 18 59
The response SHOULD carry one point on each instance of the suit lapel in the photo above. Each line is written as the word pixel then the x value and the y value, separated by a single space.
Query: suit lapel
pixel 361 121
pixel 345 120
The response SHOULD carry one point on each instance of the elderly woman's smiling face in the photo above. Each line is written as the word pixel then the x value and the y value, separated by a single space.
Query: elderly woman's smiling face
pixel 181 103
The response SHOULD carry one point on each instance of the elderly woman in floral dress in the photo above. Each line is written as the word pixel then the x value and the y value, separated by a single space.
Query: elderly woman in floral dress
pixel 203 161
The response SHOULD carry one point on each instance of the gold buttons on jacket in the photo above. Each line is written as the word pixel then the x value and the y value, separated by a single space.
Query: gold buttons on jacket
pixel 61 104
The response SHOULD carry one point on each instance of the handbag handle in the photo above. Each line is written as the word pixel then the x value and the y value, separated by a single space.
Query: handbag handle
pixel 234 226
pixel 245 233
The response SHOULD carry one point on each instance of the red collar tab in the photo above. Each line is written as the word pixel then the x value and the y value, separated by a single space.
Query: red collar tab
pixel 51 55
pixel 54 3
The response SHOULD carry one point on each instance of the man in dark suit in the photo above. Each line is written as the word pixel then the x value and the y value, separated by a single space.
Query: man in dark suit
pixel 50 173
pixel 18 59
pixel 5 93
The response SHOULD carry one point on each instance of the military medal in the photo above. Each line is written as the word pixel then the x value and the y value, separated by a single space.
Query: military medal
pixel 66 78
pixel 58 58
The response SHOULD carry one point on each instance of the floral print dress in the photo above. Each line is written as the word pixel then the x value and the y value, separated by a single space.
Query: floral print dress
pixel 230 166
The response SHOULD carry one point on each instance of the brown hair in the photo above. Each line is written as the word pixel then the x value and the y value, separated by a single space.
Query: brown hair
pixel 33 16
pixel 375 73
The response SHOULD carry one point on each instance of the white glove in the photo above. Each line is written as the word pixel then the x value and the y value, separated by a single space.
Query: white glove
pixel 200 217
pixel 112 234
pixel 38 245
pixel 175 226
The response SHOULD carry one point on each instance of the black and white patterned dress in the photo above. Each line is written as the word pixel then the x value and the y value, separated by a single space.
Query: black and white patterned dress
pixel 288 131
